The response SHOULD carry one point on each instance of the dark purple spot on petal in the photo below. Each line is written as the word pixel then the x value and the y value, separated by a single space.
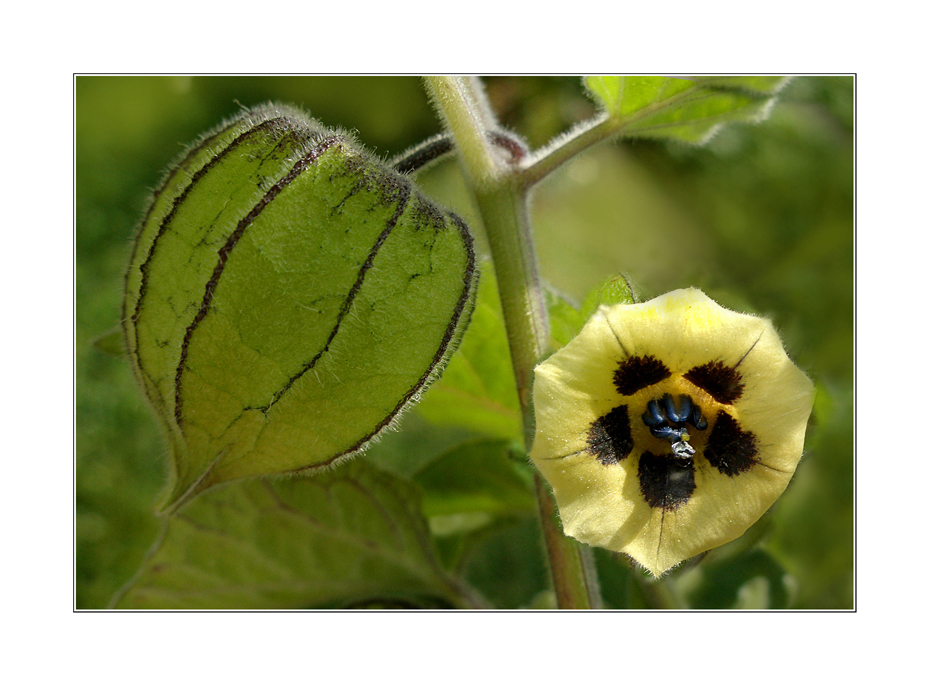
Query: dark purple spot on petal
pixel 666 481
pixel 730 450
pixel 609 436
pixel 724 384
pixel 635 373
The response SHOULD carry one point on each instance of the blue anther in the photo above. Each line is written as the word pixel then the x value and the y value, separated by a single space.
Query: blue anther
pixel 668 420
pixel 667 432
pixel 653 415
pixel 670 410
pixel 697 421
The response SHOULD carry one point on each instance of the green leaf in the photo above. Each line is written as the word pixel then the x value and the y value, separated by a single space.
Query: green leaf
pixel 754 580
pixel 473 490
pixel 477 477
pixel 689 110
pixel 477 389
pixel 417 442
pixel 605 90
pixel 350 536
pixel 287 298
pixel 566 320
pixel 614 291
pixel 508 564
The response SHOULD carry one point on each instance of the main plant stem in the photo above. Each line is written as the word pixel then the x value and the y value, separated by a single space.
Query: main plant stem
pixel 501 193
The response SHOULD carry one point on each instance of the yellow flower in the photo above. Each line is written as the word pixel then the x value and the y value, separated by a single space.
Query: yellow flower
pixel 669 427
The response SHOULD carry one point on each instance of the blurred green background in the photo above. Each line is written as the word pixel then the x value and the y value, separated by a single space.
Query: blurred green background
pixel 761 218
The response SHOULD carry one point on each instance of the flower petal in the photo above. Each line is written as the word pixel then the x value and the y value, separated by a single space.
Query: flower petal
pixel 619 485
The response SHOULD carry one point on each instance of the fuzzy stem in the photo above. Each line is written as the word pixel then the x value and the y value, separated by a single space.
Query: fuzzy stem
pixel 502 198
pixel 574 576
pixel 566 148
pixel 461 105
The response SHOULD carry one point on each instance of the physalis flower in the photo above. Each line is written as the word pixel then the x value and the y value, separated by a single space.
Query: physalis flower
pixel 669 427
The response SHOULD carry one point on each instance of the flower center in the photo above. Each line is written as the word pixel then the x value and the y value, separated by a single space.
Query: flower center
pixel 669 421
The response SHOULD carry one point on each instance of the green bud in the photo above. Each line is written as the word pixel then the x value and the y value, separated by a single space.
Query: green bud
pixel 288 296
